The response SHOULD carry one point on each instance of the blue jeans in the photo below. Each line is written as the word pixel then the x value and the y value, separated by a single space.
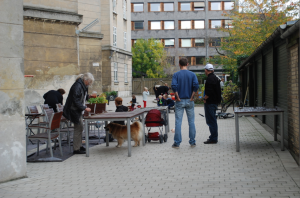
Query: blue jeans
pixel 179 110
pixel 211 120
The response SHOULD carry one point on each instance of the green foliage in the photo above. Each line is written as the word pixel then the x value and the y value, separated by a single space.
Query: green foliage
pixel 114 93
pixel 150 58
pixel 228 90
pixel 253 21
pixel 98 100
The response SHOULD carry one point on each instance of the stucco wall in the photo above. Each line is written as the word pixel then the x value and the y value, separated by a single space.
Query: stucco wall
pixel 50 54
pixel 12 124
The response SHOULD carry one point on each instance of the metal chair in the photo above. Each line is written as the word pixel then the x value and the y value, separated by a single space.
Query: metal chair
pixel 50 134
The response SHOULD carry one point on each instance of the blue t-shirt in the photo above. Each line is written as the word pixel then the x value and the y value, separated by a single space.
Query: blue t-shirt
pixel 185 83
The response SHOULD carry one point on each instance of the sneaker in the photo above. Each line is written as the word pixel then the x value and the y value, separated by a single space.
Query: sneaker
pixel 82 148
pixel 208 141
pixel 78 152
pixel 193 145
pixel 175 146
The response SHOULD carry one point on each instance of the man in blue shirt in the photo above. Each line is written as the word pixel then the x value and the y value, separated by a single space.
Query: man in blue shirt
pixel 185 85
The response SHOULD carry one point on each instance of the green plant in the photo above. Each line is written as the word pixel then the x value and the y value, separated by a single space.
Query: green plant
pixel 228 91
pixel 114 93
pixel 98 100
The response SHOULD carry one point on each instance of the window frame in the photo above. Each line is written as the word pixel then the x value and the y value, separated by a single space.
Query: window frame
pixel 179 7
pixel 114 4
pixel 125 9
pixel 125 73
pixel 196 60
pixel 191 44
pixel 132 7
pixel 211 43
pixel 149 4
pixel 125 40
pixel 133 25
pixel 199 28
pixel 228 2
pixel 165 26
pixel 221 6
pixel 180 24
pixel 150 25
pixel 199 46
pixel 115 72
pixel 168 3
pixel 210 23
pixel 164 40
pixel 114 36
pixel 194 7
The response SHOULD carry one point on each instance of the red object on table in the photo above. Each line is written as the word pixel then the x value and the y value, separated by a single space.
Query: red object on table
pixel 173 97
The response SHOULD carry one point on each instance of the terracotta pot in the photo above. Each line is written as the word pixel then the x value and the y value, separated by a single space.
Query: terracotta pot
pixel 100 108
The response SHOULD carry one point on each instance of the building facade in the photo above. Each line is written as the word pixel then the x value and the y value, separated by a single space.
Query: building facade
pixel 271 77
pixel 116 49
pixel 186 28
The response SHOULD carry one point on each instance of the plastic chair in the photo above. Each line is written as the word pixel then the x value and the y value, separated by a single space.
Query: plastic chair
pixel 50 134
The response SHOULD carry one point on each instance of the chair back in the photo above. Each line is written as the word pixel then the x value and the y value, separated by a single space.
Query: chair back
pixel 55 120
pixel 32 109
pixel 59 107
pixel 48 114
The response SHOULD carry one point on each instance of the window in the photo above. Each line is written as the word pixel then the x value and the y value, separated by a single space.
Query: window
pixel 114 5
pixel 116 72
pixel 154 7
pixel 171 60
pixel 199 42
pixel 228 5
pixel 125 73
pixel 199 6
pixel 186 42
pixel 137 25
pixel 155 25
pixel 185 25
pixel 168 25
pixel 199 24
pixel 189 59
pixel 215 6
pixel 185 6
pixel 137 7
pixel 169 42
pixel 215 42
pixel 214 24
pixel 168 6
pixel 114 36
pixel 228 24
pixel 124 9
pixel 125 40
pixel 199 60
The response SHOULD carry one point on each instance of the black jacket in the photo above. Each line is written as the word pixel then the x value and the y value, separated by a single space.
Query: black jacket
pixel 213 89
pixel 121 109
pixel 52 98
pixel 74 104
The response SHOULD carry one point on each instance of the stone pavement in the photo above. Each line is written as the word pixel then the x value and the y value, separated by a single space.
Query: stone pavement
pixel 260 169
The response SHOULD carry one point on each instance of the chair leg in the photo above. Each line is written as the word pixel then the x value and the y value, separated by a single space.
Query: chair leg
pixel 38 147
pixel 59 144
pixel 47 146
pixel 49 143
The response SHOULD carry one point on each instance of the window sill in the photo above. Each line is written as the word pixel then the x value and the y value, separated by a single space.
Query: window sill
pixel 126 83
pixel 125 19
pixel 114 12
pixel 116 82
pixel 138 12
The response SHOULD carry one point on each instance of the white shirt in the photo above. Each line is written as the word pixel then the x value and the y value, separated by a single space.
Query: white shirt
pixel 145 95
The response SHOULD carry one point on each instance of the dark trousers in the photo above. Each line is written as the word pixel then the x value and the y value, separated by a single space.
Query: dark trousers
pixel 211 120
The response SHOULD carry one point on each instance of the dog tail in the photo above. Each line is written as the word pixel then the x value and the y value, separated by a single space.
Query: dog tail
pixel 140 129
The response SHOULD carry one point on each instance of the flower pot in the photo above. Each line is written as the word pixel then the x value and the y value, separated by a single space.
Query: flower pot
pixel 100 108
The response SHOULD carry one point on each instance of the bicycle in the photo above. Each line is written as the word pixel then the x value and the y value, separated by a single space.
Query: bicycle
pixel 234 101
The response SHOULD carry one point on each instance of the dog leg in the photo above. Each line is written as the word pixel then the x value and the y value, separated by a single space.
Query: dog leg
pixel 120 142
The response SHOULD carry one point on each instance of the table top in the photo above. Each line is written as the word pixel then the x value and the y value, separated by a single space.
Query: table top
pixel 114 115
pixel 254 110
pixel 158 108
pixel 32 114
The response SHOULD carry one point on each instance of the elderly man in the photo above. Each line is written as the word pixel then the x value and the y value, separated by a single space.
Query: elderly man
pixel 75 106
pixel 211 100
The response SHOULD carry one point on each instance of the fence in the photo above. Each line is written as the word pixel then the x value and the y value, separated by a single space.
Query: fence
pixel 138 84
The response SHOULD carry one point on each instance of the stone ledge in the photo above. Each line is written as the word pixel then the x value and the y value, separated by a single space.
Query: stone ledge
pixel 91 34
pixel 51 14
pixel 119 50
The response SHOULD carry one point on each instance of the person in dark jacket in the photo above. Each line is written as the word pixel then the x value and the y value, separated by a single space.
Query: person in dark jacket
pixel 120 108
pixel 211 100
pixel 75 106
pixel 53 97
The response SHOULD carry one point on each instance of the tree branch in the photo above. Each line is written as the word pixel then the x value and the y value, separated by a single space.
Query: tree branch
pixel 219 52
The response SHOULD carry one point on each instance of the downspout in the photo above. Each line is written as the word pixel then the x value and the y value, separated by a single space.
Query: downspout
pixel 299 91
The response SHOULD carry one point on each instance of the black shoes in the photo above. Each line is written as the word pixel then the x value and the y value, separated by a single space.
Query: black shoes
pixel 78 152
pixel 208 141
pixel 82 148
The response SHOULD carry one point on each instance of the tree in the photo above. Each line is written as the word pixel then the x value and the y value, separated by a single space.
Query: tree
pixel 149 58
pixel 252 23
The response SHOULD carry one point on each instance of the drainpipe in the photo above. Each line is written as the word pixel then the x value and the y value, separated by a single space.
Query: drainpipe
pixel 299 93
pixel 206 28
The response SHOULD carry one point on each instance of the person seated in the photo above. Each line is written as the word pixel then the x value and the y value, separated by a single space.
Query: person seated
pixel 120 108
pixel 133 101
pixel 160 101
pixel 170 103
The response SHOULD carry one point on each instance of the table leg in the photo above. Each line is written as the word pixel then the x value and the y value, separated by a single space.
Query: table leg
pixel 237 132
pixel 143 123
pixel 87 138
pixel 281 131
pixel 107 134
pixel 129 137
pixel 275 128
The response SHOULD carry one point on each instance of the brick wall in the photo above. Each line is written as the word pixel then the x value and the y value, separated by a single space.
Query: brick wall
pixel 293 100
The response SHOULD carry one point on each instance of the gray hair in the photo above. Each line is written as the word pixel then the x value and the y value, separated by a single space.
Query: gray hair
pixel 87 76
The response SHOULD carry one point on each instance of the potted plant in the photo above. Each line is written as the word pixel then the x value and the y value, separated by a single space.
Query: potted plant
pixel 111 95
pixel 100 102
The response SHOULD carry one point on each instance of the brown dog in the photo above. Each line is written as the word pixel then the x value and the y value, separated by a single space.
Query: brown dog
pixel 119 132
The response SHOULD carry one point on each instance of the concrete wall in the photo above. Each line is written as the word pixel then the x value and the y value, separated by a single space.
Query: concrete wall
pixel 50 54
pixel 12 124
pixel 62 5
pixel 90 9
